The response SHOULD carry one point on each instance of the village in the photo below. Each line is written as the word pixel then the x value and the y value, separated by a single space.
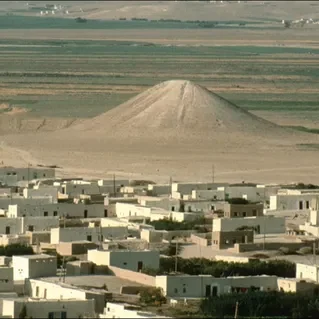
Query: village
pixel 74 248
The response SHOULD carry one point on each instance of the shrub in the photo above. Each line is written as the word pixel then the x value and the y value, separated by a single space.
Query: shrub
pixel 197 266
pixel 16 250
pixel 304 251
pixel 262 304
pixel 152 296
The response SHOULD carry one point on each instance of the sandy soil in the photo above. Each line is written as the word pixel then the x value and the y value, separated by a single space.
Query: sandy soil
pixel 294 37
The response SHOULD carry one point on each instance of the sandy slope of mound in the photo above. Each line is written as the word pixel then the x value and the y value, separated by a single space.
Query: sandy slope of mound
pixel 181 109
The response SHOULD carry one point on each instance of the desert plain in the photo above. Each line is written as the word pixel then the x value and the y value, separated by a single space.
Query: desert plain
pixel 128 97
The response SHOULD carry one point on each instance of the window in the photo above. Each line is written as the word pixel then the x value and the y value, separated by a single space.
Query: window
pixel 175 291
pixel 89 237
pixel 244 214
pixel 30 228
pixel 184 290
pixel 189 209
pixel 125 263
pixel 45 214
pixel 235 214
pixel 300 205
pixel 307 204
pixel 7 230
pixel 55 213
pixel 254 212
pixel 37 291
pixel 43 175
pixel 173 208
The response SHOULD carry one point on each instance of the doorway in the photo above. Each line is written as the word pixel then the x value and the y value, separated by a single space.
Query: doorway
pixel 139 266
pixel 7 230
pixel 215 291
pixel 85 213
pixel 105 212
pixel 208 291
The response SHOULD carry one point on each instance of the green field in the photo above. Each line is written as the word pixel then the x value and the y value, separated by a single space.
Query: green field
pixel 84 78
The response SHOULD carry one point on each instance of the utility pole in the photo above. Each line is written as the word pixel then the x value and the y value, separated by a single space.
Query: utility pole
pixel 236 311
pixel 264 241
pixel 176 255
pixel 100 237
pixel 38 245
pixel 63 268
pixel 114 188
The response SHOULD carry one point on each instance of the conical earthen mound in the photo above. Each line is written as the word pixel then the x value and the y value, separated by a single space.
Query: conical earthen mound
pixel 183 108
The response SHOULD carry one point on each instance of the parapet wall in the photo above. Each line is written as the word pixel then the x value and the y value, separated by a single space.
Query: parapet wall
pixel 240 248
pixel 133 276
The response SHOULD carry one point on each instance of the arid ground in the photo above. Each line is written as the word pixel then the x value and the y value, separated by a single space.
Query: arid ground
pixel 56 73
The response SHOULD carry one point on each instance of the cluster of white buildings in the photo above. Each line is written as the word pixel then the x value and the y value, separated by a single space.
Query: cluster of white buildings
pixel 108 223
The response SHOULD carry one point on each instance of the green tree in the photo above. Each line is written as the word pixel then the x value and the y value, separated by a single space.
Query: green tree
pixel 152 296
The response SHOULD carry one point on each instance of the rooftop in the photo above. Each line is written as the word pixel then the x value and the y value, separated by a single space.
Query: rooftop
pixel 113 283
pixel 41 256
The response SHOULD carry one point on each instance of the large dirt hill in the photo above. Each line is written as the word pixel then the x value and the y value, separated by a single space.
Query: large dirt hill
pixel 180 109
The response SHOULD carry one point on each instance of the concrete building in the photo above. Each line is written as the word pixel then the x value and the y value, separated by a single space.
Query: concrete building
pixel 159 189
pixel 213 194
pixel 6 240
pixel 6 279
pixel 263 225
pixel 227 239
pixel 92 234
pixel 74 247
pixel 243 210
pixel 166 203
pixel 157 236
pixel 251 192
pixel 297 285
pixel 311 227
pixel 12 176
pixel 233 259
pixel 21 200
pixel 37 308
pixel 131 260
pixel 42 289
pixel 293 199
pixel 310 272
pixel 44 191
pixel 187 188
pixel 186 286
pixel 16 226
pixel 33 266
pixel 114 310
pixel 197 205
pixel 79 210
